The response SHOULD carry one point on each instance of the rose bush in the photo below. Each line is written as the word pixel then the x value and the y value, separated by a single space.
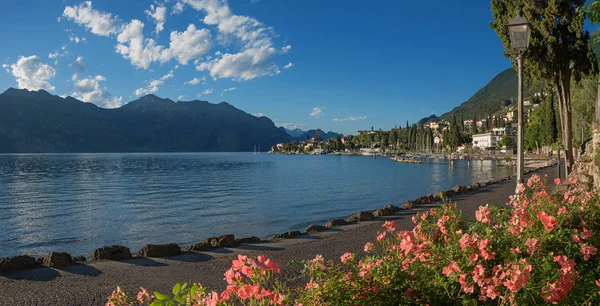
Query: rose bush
pixel 542 248
pixel 246 281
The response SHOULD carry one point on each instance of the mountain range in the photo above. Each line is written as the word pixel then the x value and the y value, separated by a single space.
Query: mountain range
pixel 36 121
pixel 300 135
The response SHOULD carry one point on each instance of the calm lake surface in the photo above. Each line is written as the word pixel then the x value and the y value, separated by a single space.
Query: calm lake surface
pixel 78 202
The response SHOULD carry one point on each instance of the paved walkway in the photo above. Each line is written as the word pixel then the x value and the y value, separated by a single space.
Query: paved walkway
pixel 91 283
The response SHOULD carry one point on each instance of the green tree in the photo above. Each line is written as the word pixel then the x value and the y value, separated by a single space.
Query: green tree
pixel 452 139
pixel 549 124
pixel 583 96
pixel 558 52
pixel 393 139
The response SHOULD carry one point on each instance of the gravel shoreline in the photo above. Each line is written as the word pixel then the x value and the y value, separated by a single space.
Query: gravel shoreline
pixel 89 283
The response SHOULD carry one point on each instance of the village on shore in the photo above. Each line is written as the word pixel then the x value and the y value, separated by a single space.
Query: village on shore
pixel 493 137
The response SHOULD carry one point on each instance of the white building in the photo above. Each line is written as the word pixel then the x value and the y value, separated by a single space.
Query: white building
pixel 490 139
pixel 484 140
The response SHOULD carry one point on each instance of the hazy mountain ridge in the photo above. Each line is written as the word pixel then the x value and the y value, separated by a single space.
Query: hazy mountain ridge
pixel 36 121
pixel 300 135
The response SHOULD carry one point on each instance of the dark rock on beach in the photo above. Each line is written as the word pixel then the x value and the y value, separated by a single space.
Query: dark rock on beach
pixel 385 211
pixel 407 205
pixel 335 223
pixel 199 247
pixel 361 216
pixel 17 263
pixel 225 241
pixel 57 260
pixel 251 239
pixel 315 229
pixel 159 250
pixel 113 252
pixel 286 235
pixel 79 258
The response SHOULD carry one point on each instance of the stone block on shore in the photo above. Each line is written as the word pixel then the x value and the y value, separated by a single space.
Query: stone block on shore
pixel 335 223
pixel 79 258
pixel 315 229
pixel 251 239
pixel 57 260
pixel 159 250
pixel 199 247
pixel 113 252
pixel 225 241
pixel 458 189
pixel 361 216
pixel 407 205
pixel 17 263
pixel 286 235
pixel 385 211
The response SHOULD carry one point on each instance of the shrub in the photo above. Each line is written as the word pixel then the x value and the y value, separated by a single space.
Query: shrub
pixel 246 280
pixel 541 249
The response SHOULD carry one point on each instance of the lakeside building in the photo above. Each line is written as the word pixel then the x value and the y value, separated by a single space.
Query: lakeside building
pixel 485 140
pixel 491 139
pixel 439 126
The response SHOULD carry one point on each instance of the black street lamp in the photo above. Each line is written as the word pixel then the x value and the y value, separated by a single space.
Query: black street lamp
pixel 520 33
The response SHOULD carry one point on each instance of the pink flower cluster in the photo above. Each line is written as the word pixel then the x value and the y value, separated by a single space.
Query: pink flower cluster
pixel 559 290
pixel 483 214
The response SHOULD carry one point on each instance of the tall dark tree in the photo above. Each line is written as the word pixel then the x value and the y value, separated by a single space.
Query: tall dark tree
pixel 549 124
pixel 559 50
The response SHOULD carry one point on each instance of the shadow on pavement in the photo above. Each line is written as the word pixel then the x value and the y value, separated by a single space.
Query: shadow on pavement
pixel 82 269
pixel 191 257
pixel 40 274
pixel 144 262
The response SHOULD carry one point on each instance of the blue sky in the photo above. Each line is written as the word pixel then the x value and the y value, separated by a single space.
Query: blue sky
pixel 330 64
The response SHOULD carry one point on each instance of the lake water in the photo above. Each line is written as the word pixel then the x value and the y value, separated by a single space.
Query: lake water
pixel 78 202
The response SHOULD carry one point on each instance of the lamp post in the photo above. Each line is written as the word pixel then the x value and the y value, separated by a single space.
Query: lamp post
pixel 520 32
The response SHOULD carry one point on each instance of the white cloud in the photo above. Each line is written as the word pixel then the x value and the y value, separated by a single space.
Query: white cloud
pixel 290 65
pixel 152 86
pixel 88 90
pixel 255 58
pixel 351 118
pixel 259 115
pixel 159 14
pixel 317 112
pixel 289 126
pixel 188 45
pixel 78 68
pixel 58 54
pixel 196 81
pixel 6 66
pixel 227 89
pixel 77 39
pixel 132 45
pixel 32 74
pixel 181 97
pixel 246 65
pixel 103 24
pixel 177 8
pixel 208 91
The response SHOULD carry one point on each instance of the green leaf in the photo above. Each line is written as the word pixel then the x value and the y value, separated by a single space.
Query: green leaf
pixel 177 289
pixel 184 286
pixel 156 303
pixel 160 296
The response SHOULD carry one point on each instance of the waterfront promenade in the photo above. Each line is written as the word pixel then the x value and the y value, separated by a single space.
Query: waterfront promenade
pixel 90 283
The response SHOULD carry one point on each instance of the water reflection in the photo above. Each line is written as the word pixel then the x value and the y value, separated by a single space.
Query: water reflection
pixel 77 202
